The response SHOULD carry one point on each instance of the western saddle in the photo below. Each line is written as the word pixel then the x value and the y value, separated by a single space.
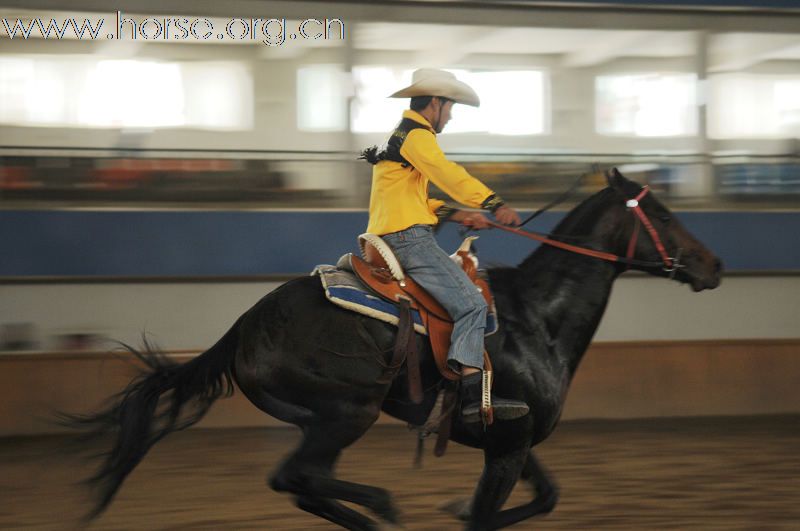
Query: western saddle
pixel 380 270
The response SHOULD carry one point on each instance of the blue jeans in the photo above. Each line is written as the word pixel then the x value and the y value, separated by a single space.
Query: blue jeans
pixel 427 264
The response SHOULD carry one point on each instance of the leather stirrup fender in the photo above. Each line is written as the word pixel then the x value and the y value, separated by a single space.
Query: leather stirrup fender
pixel 405 348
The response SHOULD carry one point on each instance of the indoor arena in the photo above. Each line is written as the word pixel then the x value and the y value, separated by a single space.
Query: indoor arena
pixel 196 333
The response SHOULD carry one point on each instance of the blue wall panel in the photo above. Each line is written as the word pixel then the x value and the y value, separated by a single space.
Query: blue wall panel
pixel 218 243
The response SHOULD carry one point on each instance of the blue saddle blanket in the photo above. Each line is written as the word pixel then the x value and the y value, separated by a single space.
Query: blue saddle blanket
pixel 344 289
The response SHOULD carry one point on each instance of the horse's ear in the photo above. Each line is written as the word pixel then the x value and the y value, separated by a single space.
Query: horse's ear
pixel 615 179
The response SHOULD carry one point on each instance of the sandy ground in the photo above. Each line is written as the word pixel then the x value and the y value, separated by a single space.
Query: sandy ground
pixel 720 473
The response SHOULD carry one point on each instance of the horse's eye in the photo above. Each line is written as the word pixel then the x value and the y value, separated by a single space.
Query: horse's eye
pixel 665 219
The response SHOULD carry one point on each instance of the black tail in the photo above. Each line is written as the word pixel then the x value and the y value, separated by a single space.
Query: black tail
pixel 166 397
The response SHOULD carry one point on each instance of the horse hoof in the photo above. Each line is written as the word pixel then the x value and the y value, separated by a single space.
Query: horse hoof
pixel 458 507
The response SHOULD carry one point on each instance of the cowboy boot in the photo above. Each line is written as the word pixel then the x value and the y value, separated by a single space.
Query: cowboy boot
pixel 472 399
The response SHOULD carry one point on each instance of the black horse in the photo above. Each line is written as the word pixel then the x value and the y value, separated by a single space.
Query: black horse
pixel 325 369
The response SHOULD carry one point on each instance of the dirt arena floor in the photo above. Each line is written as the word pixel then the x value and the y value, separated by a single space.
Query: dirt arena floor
pixel 720 473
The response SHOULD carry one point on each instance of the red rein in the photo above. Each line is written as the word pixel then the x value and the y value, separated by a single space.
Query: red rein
pixel 641 217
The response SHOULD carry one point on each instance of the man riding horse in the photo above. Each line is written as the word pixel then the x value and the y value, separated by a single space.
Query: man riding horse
pixel 403 215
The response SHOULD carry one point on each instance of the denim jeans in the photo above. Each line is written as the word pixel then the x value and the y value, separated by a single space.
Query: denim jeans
pixel 427 264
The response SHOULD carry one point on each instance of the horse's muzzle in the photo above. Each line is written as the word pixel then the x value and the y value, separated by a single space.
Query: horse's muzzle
pixel 711 279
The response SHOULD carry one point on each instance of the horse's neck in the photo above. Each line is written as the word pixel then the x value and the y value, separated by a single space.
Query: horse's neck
pixel 568 296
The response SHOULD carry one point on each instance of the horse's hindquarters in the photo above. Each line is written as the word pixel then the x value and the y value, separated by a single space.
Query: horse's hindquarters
pixel 300 356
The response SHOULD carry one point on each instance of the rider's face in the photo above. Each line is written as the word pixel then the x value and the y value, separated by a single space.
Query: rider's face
pixel 444 117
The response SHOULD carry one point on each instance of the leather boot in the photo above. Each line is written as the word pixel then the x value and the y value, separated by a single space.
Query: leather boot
pixel 471 393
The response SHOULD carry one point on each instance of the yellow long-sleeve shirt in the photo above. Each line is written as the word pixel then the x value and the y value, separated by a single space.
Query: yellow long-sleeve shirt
pixel 399 196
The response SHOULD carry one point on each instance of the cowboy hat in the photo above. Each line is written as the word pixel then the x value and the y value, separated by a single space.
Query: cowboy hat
pixel 432 82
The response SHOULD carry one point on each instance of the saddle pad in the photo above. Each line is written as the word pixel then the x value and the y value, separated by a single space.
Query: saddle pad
pixel 344 289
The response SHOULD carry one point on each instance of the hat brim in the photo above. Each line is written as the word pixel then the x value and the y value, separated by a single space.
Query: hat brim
pixel 453 89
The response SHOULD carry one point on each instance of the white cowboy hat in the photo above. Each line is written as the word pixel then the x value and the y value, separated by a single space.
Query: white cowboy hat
pixel 432 82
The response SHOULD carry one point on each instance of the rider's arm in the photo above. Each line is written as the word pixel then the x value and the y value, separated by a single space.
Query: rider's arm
pixel 445 213
pixel 423 152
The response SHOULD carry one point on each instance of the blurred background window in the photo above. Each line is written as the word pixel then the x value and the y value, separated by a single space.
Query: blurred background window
pixel 217 95
pixel 649 104
pixel 744 105
pixel 512 102
pixel 33 90
pixel 373 111
pixel 321 98
pixel 77 91
pixel 133 94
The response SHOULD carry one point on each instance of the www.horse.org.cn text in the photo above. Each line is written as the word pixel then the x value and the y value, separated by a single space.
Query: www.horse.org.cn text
pixel 270 31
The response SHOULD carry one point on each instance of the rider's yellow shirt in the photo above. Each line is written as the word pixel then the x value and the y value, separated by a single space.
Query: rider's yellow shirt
pixel 399 197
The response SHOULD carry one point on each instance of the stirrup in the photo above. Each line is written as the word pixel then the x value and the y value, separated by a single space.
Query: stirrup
pixel 486 409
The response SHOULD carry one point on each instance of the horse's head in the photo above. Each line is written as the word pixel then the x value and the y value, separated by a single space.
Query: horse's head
pixel 647 231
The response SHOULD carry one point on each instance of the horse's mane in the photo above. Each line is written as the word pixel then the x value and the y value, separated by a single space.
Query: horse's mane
pixel 577 224
pixel 585 212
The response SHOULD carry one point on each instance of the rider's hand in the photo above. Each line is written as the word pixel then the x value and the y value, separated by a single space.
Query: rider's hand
pixel 475 220
pixel 507 216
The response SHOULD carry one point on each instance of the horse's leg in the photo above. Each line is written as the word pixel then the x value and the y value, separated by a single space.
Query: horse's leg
pixel 542 483
pixel 308 473
pixel 486 516
pixel 544 488
pixel 336 513
pixel 500 474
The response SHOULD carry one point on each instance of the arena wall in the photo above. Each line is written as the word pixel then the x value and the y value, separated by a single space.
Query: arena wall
pixel 661 350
